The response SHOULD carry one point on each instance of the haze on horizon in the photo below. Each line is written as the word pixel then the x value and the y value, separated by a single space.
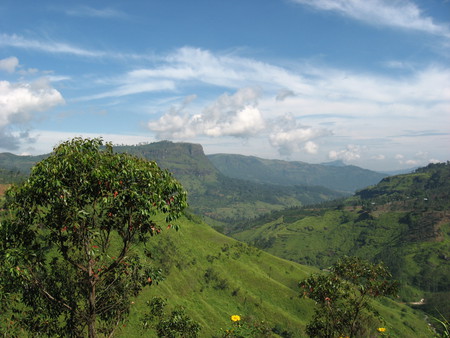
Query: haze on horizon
pixel 363 81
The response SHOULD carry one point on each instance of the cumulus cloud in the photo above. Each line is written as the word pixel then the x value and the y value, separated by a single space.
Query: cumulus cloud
pixel 288 135
pixel 10 140
pixel 9 64
pixel 18 104
pixel 402 14
pixel 350 153
pixel 19 101
pixel 230 115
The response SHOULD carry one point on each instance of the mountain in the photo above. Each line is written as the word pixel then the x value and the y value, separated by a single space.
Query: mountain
pixel 213 277
pixel 403 221
pixel 218 197
pixel 335 175
pixel 223 200
pixel 337 163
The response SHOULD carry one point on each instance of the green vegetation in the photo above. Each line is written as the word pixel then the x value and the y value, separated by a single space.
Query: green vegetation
pixel 172 325
pixel 214 277
pixel 340 178
pixel 201 276
pixel 403 221
pixel 67 264
pixel 343 298
pixel 220 199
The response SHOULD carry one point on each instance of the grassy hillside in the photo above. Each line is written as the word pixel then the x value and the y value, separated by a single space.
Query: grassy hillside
pixel 214 277
pixel 403 221
pixel 335 177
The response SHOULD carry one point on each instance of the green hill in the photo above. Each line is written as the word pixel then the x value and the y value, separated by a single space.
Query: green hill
pixel 404 221
pixel 339 177
pixel 214 277
pixel 223 200
pixel 219 197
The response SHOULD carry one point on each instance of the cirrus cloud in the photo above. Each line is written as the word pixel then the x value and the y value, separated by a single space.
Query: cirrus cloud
pixel 402 14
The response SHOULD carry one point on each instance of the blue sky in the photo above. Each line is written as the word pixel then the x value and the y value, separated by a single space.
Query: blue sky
pixel 366 82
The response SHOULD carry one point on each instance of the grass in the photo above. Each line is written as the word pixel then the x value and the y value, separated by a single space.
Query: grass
pixel 241 280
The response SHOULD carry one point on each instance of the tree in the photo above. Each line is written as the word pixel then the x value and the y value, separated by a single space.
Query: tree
pixel 343 297
pixel 175 324
pixel 68 242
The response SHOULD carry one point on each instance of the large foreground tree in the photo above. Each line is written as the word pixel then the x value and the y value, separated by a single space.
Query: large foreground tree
pixel 67 261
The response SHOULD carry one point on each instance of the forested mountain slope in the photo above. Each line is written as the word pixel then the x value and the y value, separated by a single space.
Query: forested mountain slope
pixel 337 177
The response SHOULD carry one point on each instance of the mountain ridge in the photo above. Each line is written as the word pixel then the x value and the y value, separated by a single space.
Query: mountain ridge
pixel 345 178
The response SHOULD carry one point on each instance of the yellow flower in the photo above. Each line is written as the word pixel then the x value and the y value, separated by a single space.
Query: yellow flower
pixel 381 329
pixel 235 318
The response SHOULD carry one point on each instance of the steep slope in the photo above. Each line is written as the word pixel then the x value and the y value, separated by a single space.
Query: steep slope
pixel 404 221
pixel 214 277
pixel 336 177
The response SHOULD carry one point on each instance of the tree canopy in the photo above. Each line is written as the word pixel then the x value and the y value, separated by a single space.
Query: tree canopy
pixel 343 296
pixel 67 261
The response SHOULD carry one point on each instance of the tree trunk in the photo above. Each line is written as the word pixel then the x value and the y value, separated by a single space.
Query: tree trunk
pixel 92 308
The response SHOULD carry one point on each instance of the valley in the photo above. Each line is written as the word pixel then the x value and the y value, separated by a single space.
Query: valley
pixel 279 224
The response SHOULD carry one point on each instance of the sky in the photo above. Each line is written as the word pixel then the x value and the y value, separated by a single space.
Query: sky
pixel 362 81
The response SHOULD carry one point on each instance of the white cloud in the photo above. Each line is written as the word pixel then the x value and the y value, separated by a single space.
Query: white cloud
pixel 46 46
pixel 311 147
pixel 131 89
pixel 18 102
pixel 351 153
pixel 9 64
pixel 378 157
pixel 104 13
pixel 202 66
pixel 230 115
pixel 402 14
pixel 287 135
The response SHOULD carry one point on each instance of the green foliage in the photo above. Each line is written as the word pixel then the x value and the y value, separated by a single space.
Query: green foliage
pixel 175 324
pixel 211 194
pixel 246 327
pixel 403 221
pixel 443 326
pixel 343 297
pixel 67 243
pixel 291 173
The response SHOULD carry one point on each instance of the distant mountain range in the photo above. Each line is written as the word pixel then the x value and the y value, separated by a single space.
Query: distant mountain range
pixel 333 175
pixel 227 188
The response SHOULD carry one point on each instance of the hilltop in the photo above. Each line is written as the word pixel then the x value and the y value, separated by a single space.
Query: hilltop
pixel 403 221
